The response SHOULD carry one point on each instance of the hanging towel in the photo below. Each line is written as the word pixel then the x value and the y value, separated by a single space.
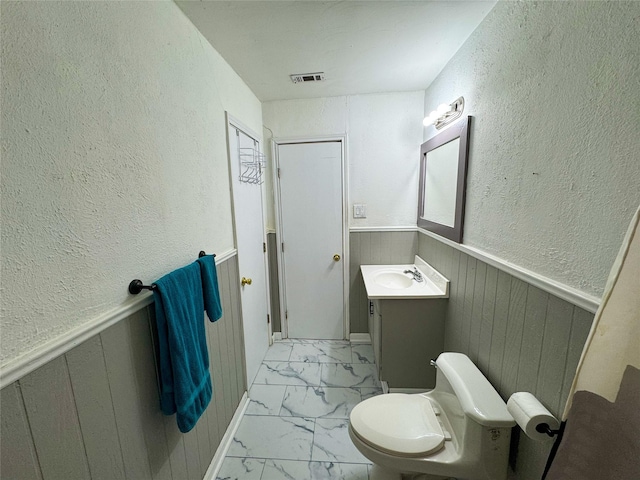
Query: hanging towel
pixel 211 294
pixel 601 436
pixel 185 383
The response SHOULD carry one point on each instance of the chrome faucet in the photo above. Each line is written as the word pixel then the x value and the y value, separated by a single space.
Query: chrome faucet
pixel 417 276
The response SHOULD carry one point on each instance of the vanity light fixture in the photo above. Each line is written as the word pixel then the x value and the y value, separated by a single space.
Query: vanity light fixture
pixel 445 114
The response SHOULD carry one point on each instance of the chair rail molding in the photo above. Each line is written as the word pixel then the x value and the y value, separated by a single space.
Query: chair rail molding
pixel 18 367
pixel 400 228
pixel 560 290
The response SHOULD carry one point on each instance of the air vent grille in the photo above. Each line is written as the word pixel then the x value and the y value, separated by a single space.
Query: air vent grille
pixel 307 77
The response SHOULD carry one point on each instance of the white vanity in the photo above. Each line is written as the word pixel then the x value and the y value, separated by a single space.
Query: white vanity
pixel 407 321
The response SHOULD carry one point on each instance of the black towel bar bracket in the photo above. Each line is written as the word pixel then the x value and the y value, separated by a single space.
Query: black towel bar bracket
pixel 136 286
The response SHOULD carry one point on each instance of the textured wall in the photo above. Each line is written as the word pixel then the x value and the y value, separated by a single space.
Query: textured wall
pixel 384 135
pixel 114 162
pixel 554 164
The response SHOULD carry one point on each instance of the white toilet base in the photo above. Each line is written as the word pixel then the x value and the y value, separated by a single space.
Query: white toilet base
pixel 377 472
pixel 465 433
pixel 381 473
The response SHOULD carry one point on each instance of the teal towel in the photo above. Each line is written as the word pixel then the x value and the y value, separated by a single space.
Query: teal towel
pixel 185 383
pixel 210 290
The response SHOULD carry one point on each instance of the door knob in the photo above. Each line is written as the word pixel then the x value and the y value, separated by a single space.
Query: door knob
pixel 245 281
pixel 336 257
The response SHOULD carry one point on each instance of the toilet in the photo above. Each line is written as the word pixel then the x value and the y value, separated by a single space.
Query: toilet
pixel 460 429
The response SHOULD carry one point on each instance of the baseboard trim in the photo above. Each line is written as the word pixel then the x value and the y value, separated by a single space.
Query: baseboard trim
pixel 18 367
pixel 560 290
pixel 359 338
pixel 225 443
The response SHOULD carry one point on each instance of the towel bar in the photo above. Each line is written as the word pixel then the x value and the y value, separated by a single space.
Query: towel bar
pixel 136 286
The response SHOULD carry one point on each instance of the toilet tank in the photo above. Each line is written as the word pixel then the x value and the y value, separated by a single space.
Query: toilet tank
pixel 478 399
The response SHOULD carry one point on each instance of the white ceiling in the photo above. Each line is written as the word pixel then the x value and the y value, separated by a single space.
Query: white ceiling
pixel 361 46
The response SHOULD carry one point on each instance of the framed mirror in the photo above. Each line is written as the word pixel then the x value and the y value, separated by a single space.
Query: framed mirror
pixel 443 178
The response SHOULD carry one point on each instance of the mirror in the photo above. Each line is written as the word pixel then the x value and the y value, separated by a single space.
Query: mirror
pixel 443 172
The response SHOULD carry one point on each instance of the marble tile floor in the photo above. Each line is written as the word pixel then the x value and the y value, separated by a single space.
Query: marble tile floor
pixel 296 423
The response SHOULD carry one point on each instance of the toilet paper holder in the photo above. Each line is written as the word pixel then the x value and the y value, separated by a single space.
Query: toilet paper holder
pixel 533 417
pixel 545 428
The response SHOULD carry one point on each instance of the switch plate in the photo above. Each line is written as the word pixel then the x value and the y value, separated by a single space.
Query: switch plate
pixel 359 210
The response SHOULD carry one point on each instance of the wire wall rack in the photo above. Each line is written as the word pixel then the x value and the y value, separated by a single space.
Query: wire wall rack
pixel 252 165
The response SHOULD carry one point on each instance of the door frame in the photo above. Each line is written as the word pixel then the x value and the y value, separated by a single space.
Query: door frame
pixel 275 143
pixel 234 122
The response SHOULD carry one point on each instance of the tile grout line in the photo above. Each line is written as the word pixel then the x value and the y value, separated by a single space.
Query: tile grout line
pixel 324 371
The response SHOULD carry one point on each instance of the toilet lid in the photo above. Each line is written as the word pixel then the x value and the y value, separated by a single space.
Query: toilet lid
pixel 399 424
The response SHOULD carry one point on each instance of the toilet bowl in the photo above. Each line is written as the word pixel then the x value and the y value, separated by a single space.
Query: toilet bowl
pixel 459 429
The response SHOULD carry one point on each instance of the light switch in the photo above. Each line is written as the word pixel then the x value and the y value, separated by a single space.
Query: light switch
pixel 359 210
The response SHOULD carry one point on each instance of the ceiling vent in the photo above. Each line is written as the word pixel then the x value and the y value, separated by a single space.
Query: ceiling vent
pixel 307 77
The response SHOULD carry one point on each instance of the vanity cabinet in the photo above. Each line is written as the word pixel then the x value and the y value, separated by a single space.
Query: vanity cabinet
pixel 406 335
pixel 406 322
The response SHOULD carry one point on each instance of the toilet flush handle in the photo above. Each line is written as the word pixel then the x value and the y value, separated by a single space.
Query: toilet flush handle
pixel 433 363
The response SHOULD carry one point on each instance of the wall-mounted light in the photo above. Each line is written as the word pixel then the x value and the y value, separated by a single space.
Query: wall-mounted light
pixel 445 114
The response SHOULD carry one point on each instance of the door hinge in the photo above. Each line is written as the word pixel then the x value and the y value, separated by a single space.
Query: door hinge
pixel 278 172
pixel 268 318
pixel 286 314
pixel 264 247
pixel 283 246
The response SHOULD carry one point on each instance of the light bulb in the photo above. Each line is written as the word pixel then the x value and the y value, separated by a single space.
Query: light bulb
pixel 433 116
pixel 443 108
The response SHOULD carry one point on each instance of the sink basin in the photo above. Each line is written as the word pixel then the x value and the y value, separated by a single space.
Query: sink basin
pixel 394 280
pixel 390 281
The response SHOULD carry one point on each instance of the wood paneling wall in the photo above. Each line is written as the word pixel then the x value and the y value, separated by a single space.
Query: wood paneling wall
pixel 374 248
pixel 94 412
pixel 274 286
pixel 523 339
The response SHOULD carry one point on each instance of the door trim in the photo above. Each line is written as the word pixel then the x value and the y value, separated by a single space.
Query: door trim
pixel 275 143
pixel 234 122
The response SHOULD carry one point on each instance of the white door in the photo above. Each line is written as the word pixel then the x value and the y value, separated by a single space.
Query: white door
pixel 311 223
pixel 250 238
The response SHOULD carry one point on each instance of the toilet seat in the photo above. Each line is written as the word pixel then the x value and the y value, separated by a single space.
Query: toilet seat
pixel 399 424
